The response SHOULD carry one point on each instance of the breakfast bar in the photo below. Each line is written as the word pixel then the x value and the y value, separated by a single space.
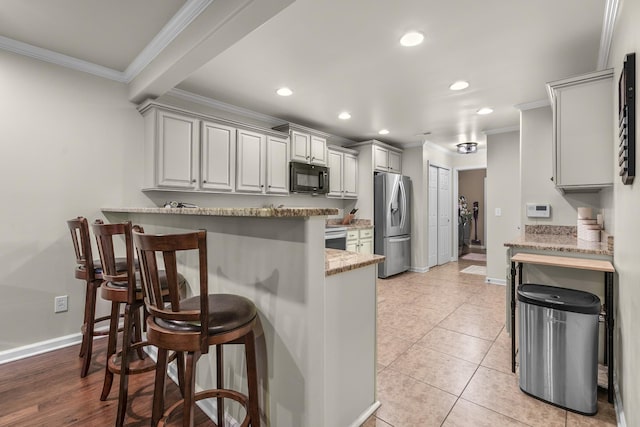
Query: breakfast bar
pixel 317 310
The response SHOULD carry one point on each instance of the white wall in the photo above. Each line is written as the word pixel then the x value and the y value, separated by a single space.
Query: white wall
pixel 503 192
pixel 626 229
pixel 71 144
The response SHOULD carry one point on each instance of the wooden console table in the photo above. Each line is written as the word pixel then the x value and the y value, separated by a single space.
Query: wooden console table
pixel 518 260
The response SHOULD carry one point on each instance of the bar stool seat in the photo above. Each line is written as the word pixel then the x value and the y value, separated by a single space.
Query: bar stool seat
pixel 190 326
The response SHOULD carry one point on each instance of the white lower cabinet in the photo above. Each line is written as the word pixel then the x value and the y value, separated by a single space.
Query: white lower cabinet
pixel 360 240
pixel 261 163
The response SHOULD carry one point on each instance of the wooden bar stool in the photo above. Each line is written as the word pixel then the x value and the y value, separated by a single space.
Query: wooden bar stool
pixel 90 271
pixel 192 325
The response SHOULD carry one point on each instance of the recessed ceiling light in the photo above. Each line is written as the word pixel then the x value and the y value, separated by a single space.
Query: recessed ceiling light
pixel 412 38
pixel 485 110
pixel 284 91
pixel 344 116
pixel 459 85
pixel 383 131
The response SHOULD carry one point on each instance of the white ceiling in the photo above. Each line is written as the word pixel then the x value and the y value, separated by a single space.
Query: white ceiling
pixel 344 55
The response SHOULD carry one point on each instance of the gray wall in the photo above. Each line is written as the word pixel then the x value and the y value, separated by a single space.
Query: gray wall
pixel 503 192
pixel 626 229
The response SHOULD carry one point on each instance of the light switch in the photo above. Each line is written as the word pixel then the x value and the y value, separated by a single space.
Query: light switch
pixel 498 212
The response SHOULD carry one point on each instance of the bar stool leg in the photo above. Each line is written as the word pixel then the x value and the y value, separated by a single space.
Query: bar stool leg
pixel 158 392
pixel 190 388
pixel 252 378
pixel 111 349
pixel 220 382
pixel 86 348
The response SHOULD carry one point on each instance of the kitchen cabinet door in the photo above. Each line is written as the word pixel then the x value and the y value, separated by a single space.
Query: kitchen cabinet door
pixel 177 149
pixel 250 162
pixel 350 176
pixel 583 131
pixel 380 159
pixel 218 155
pixel 335 173
pixel 277 165
pixel 395 162
pixel 300 144
pixel 318 150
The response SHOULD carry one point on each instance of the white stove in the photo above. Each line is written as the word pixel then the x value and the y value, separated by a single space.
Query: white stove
pixel 335 237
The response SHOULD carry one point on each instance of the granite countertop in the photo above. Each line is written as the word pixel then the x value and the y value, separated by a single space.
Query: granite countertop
pixel 337 261
pixel 560 243
pixel 240 212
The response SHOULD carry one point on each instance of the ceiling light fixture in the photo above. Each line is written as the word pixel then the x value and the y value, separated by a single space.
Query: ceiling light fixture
pixel 485 110
pixel 459 85
pixel 344 116
pixel 412 38
pixel 467 147
pixel 284 91
pixel 383 132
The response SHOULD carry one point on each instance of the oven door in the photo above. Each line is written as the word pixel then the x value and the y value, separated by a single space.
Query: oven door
pixel 335 239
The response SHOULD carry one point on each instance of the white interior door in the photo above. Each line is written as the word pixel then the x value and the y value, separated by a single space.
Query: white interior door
pixel 433 216
pixel 444 216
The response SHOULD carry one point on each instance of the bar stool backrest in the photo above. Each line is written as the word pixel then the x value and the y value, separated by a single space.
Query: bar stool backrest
pixel 159 252
pixel 79 228
pixel 111 271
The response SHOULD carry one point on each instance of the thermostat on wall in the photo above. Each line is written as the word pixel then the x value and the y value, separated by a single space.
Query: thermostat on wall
pixel 535 210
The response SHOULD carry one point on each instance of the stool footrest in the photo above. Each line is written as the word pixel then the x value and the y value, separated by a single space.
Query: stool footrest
pixel 208 394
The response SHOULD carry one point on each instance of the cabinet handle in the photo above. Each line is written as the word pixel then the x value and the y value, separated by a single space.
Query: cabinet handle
pixel 313 158
pixel 269 186
pixel 204 181
pixel 261 185
pixel 193 180
pixel 307 157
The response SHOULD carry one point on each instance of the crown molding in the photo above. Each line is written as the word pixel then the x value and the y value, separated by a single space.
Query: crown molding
pixel 502 130
pixel 214 103
pixel 533 105
pixel 187 13
pixel 50 56
pixel 608 24
pixel 178 22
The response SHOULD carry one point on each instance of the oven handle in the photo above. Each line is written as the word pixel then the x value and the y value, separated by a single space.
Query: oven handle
pixel 339 235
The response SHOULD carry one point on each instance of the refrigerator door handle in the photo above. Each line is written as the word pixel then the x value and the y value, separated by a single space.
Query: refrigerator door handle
pixel 404 204
pixel 399 239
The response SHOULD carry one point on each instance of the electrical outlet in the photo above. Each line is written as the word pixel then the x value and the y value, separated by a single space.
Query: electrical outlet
pixel 60 304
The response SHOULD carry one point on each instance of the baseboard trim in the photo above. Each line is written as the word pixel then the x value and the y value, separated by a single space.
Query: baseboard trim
pixel 366 414
pixel 37 348
pixel 494 281
pixel 617 403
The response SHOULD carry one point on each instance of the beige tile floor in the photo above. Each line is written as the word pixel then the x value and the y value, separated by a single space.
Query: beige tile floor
pixel 444 358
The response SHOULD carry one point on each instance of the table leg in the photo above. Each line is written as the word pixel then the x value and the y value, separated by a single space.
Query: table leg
pixel 513 317
pixel 609 325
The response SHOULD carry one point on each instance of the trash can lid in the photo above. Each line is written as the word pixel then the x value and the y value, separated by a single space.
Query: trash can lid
pixel 559 298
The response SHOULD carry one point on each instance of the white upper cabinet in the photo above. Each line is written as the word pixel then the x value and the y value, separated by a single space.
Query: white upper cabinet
pixel 386 159
pixel 343 173
pixel 583 131
pixel 176 151
pixel 187 151
pixel 307 145
pixel 218 157
pixel 277 165
pixel 251 162
pixel 262 163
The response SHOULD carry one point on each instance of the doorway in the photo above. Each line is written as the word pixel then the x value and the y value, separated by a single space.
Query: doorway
pixel 439 215
pixel 472 220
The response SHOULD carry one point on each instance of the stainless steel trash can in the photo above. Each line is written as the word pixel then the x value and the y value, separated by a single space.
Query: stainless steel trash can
pixel 559 346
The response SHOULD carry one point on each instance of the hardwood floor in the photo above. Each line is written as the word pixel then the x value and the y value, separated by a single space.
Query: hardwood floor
pixel 46 390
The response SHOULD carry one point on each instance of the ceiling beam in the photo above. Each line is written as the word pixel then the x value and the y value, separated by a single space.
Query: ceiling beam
pixel 218 27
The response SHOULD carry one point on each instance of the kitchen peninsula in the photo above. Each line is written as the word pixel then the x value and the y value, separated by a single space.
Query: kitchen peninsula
pixel 317 307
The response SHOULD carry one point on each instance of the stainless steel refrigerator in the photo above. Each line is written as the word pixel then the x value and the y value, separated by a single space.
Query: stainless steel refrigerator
pixel 392 220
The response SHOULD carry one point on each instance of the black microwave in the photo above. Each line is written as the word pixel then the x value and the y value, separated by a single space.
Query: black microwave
pixel 305 178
